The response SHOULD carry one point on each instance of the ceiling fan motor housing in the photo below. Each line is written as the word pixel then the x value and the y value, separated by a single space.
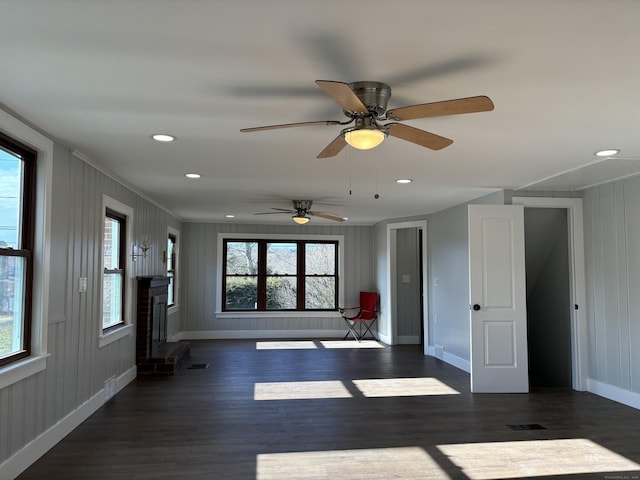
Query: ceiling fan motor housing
pixel 302 205
pixel 374 95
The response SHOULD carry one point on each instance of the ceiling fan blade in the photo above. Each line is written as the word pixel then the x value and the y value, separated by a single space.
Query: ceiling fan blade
pixel 334 148
pixel 417 136
pixel 288 210
pixel 447 107
pixel 342 93
pixel 279 212
pixel 328 216
pixel 290 125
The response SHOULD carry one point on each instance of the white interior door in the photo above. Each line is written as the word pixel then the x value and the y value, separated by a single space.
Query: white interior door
pixel 497 297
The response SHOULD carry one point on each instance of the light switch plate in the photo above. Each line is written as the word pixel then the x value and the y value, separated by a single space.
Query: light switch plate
pixel 82 284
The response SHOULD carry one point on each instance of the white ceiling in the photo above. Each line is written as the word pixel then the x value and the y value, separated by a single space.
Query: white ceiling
pixel 102 76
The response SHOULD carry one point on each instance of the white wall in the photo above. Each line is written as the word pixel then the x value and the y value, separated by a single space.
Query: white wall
pixel 199 283
pixel 36 411
pixel 448 279
pixel 612 251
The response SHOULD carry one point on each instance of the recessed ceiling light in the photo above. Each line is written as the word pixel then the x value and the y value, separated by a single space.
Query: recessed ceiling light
pixel 607 153
pixel 230 216
pixel 163 137
pixel 192 175
pixel 404 180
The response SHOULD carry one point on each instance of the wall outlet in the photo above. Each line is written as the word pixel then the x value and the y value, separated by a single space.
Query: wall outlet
pixel 82 285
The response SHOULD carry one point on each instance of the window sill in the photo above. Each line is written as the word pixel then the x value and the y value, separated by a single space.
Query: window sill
pixel 114 335
pixel 260 314
pixel 22 369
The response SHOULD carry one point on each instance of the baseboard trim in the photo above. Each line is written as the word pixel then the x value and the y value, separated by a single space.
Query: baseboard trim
pixel 257 334
pixel 408 340
pixel 32 451
pixel 616 394
pixel 449 358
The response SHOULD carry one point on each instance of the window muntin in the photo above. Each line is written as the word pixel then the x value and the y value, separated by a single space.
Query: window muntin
pixel 17 219
pixel 270 275
pixel 114 269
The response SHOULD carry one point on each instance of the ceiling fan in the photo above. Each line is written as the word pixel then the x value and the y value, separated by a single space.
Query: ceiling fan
pixel 365 104
pixel 302 211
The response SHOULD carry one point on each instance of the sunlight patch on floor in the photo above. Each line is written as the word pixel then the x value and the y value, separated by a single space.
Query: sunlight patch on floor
pixel 351 344
pixel 488 461
pixel 403 387
pixel 300 390
pixel 373 463
pixel 286 345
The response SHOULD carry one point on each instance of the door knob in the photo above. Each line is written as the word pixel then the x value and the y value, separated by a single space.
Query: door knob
pixel 476 307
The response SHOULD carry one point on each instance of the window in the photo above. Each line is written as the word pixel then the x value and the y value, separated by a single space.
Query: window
pixel 172 241
pixel 277 275
pixel 17 223
pixel 114 269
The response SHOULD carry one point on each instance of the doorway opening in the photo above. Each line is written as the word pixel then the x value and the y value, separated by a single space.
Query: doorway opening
pixel 407 266
pixel 575 307
pixel 548 298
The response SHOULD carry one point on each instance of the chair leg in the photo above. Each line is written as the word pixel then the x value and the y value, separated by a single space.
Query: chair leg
pixel 368 329
pixel 351 330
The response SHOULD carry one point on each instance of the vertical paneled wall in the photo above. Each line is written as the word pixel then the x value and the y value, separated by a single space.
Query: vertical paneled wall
pixel 200 263
pixel 77 368
pixel 612 254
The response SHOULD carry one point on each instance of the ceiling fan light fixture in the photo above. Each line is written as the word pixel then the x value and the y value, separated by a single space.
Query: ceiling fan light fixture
pixel 300 219
pixel 364 138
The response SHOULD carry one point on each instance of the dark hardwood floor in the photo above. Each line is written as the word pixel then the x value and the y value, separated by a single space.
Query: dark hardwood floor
pixel 309 410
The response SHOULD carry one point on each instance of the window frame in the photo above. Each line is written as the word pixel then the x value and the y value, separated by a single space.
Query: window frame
pixel 25 249
pixel 120 271
pixel 319 238
pixel 37 360
pixel 124 329
pixel 172 232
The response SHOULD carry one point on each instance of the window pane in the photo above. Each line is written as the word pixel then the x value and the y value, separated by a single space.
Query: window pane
pixel 171 244
pixel 281 293
pixel 282 258
pixel 10 199
pixel 242 293
pixel 111 243
pixel 112 300
pixel 242 258
pixel 320 293
pixel 170 300
pixel 12 286
pixel 320 259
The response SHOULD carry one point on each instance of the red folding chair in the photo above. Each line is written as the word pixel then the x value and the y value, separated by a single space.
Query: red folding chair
pixel 365 316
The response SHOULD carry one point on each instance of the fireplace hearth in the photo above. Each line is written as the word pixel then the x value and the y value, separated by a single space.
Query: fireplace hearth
pixel 154 355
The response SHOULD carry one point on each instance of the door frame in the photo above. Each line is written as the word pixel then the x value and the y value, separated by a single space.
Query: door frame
pixel 391 312
pixel 577 288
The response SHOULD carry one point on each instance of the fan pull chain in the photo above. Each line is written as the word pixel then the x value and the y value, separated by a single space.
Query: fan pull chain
pixel 350 161
pixel 376 196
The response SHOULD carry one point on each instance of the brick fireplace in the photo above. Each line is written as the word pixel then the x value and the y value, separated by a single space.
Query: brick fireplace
pixel 154 355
